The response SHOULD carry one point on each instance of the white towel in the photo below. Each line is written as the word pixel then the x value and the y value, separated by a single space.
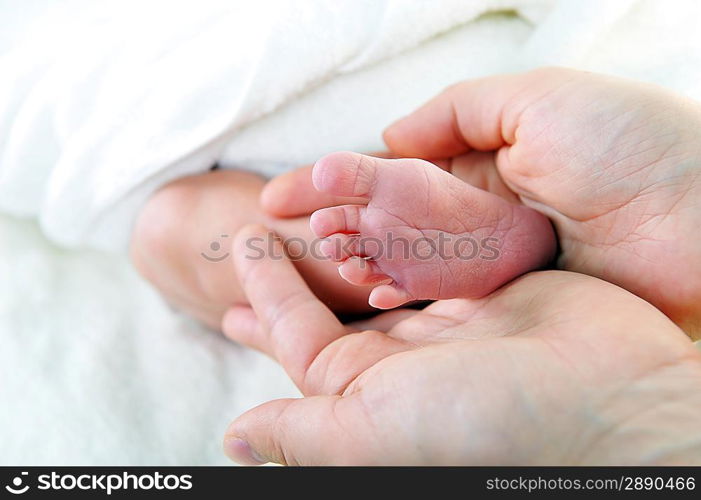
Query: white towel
pixel 106 101
pixel 103 102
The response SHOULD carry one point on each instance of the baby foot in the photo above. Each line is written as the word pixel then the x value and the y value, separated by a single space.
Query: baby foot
pixel 424 234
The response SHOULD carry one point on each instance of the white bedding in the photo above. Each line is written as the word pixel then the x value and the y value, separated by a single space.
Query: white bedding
pixel 108 100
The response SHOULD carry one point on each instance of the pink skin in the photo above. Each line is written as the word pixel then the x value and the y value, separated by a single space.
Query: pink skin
pixel 525 376
pixel 177 225
pixel 429 211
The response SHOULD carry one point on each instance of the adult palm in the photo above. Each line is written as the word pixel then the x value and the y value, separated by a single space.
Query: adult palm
pixel 554 367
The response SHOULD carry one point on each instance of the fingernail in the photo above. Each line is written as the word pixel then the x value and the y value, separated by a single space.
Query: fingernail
pixel 241 452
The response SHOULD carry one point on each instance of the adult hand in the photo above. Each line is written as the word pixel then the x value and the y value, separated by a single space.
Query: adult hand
pixel 527 375
pixel 615 164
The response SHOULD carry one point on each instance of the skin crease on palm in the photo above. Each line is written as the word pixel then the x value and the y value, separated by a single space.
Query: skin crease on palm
pixel 527 375
pixel 615 165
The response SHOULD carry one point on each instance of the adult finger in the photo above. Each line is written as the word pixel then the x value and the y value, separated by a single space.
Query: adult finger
pixel 294 325
pixel 241 325
pixel 292 194
pixel 479 169
pixel 480 114
pixel 311 431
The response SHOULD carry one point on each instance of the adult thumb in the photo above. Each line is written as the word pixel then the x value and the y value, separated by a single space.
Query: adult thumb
pixel 318 430
pixel 480 115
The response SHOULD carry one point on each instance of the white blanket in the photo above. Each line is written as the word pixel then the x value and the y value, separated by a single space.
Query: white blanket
pixel 101 102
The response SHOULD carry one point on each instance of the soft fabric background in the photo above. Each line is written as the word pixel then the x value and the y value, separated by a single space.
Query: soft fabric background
pixel 101 102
